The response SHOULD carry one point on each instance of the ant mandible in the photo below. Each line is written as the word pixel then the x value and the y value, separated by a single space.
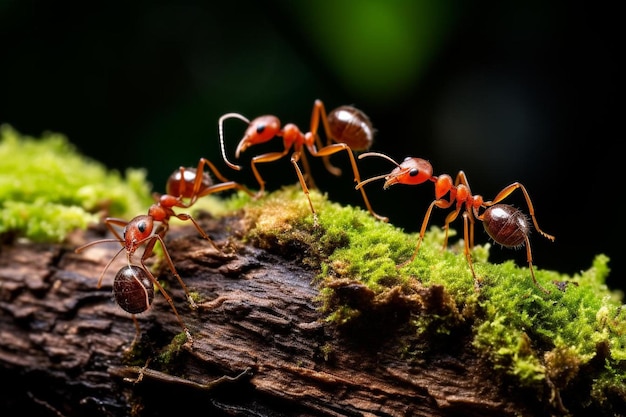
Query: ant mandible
pixel 415 171
pixel 345 127
pixel 151 228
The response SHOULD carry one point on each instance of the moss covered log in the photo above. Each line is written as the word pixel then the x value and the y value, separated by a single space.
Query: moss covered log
pixel 314 317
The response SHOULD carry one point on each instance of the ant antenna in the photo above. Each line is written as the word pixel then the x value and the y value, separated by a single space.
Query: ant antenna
pixel 382 155
pixel 378 177
pixel 221 133
pixel 101 277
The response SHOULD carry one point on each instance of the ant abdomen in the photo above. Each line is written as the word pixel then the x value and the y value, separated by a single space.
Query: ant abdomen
pixel 351 126
pixel 133 290
pixel 180 184
pixel 506 225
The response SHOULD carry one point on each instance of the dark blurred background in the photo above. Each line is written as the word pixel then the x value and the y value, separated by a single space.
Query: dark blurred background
pixel 506 91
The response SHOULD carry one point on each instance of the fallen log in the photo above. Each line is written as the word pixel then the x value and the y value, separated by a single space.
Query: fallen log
pixel 260 345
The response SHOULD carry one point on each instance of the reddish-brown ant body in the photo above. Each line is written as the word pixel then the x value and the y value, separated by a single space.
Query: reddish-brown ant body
pixel 346 128
pixel 133 289
pixel 194 183
pixel 505 224
pixel 148 230
pixel 186 183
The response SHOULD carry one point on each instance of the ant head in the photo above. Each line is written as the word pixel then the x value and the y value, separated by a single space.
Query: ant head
pixel 412 171
pixel 260 130
pixel 137 231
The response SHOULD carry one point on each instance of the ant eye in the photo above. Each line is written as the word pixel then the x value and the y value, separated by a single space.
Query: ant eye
pixel 413 172
pixel 141 226
pixel 260 128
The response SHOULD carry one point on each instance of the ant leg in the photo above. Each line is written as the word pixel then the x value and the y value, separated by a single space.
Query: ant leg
pixel 294 161
pixel 508 190
pixel 268 157
pixel 338 147
pixel 473 202
pixel 444 204
pixel 468 254
pixel 224 185
pixel 471 233
pixel 137 332
pixel 446 227
pixel 185 216
pixel 467 217
pixel 182 186
pixel 148 252
pixel 421 236
pixel 308 176
pixel 319 112
pixel 170 302
pixel 529 257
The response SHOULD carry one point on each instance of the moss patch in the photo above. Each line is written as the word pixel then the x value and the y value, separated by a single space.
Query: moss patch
pixel 578 331
pixel 47 189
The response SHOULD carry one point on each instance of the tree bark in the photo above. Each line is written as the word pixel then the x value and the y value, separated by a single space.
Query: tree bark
pixel 261 346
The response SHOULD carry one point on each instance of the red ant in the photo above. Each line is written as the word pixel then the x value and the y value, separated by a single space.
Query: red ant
pixel 147 230
pixel 151 228
pixel 346 126
pixel 505 224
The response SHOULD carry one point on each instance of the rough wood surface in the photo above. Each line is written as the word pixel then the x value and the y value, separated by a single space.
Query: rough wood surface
pixel 261 346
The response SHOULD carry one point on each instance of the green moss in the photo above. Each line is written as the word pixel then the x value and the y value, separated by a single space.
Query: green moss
pixel 536 338
pixel 172 350
pixel 47 189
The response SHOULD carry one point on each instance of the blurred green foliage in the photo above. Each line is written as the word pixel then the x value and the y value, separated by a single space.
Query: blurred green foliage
pixel 47 189
pixel 376 49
